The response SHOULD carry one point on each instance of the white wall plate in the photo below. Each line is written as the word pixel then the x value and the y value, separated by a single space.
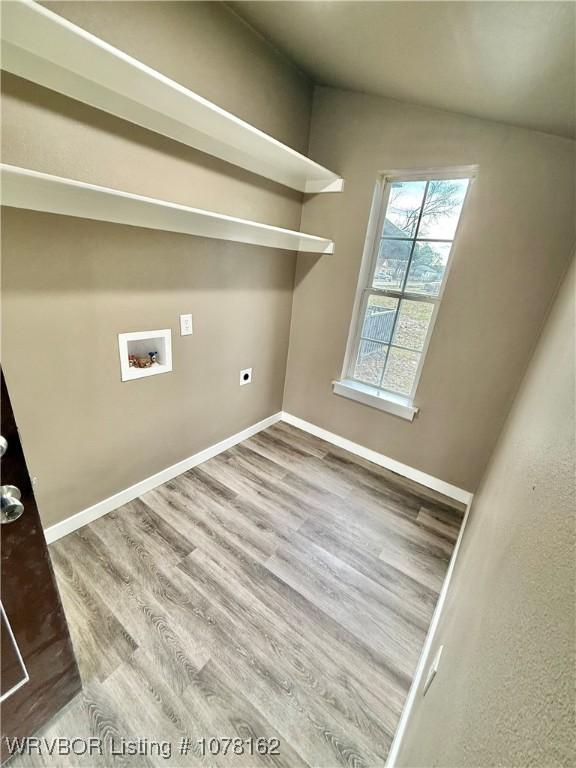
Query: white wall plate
pixel 141 344
pixel 246 376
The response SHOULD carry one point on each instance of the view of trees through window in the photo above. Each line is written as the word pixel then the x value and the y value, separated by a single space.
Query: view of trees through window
pixel 405 285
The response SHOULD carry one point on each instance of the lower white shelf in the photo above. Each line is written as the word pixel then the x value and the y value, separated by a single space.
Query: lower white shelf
pixel 36 191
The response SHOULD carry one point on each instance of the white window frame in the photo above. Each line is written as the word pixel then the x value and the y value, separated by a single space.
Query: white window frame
pixel 347 386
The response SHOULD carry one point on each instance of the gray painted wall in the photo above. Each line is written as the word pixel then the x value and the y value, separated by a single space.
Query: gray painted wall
pixel 516 233
pixel 504 693
pixel 71 285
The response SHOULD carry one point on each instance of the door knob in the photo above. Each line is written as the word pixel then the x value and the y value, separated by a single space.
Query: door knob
pixel 10 505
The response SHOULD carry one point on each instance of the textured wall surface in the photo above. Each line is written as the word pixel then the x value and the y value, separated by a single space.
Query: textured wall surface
pixel 71 285
pixel 504 694
pixel 515 237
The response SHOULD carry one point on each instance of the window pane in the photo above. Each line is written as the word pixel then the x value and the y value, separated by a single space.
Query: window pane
pixel 370 362
pixel 379 318
pixel 442 208
pixel 401 367
pixel 392 263
pixel 427 267
pixel 403 209
pixel 412 325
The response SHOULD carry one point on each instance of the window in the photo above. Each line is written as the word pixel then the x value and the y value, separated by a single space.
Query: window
pixel 407 255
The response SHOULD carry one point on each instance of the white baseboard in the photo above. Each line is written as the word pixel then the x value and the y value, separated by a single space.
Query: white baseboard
pixel 54 532
pixel 452 491
pixel 426 653
pixel 89 514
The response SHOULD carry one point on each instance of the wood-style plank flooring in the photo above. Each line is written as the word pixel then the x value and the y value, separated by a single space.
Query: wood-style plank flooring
pixel 281 590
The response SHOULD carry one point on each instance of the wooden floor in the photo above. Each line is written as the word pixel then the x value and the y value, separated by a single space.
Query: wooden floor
pixel 280 591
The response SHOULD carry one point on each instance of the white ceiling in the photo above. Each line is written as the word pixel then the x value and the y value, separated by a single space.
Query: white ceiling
pixel 508 61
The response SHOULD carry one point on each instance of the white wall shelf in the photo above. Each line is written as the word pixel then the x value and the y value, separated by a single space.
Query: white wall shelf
pixel 139 344
pixel 47 49
pixel 32 190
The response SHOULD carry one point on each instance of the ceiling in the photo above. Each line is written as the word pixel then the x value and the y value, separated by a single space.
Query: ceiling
pixel 514 62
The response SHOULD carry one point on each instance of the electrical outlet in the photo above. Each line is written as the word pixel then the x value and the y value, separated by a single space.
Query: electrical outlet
pixel 432 670
pixel 186 325
pixel 245 376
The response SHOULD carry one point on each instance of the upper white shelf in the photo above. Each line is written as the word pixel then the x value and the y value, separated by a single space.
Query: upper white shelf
pixel 24 188
pixel 43 47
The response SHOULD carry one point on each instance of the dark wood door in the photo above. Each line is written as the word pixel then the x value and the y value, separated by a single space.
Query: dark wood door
pixel 39 671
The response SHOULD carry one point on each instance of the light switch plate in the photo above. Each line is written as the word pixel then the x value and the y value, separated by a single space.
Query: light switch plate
pixel 186 325
pixel 432 670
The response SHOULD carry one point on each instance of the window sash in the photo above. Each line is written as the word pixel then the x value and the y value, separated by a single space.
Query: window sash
pixel 366 288
pixel 366 293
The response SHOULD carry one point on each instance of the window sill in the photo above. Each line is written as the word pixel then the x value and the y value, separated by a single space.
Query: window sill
pixel 374 398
